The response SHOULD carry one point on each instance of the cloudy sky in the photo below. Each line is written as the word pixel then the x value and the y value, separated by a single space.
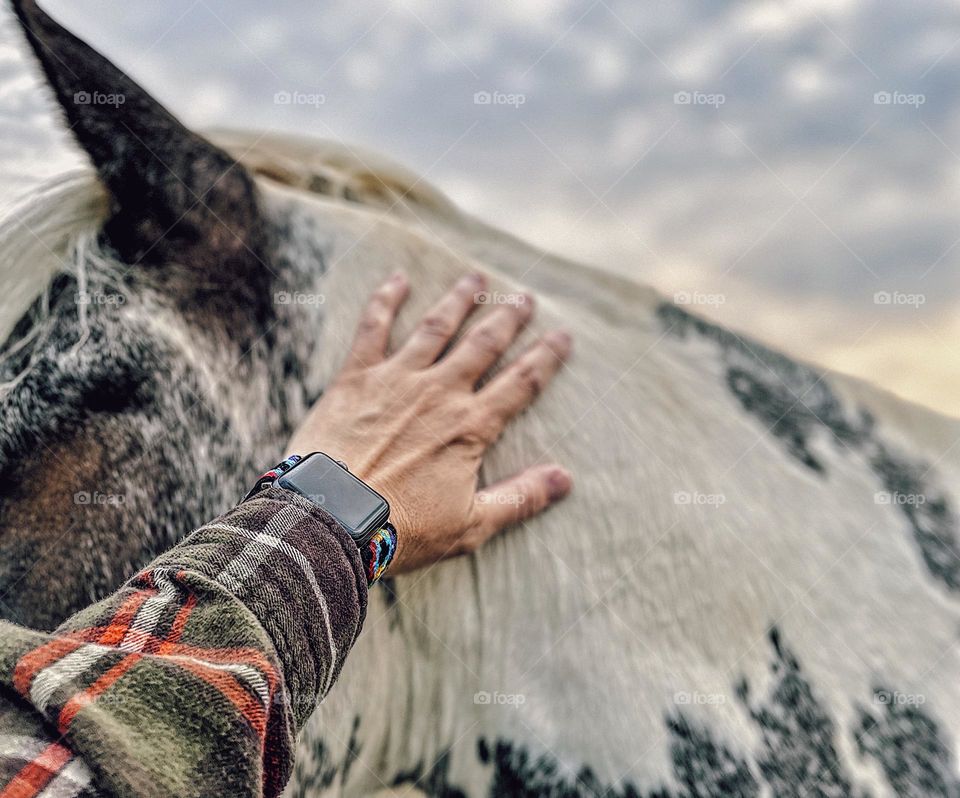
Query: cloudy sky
pixel 791 166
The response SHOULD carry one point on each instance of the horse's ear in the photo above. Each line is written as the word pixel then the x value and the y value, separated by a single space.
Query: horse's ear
pixel 175 196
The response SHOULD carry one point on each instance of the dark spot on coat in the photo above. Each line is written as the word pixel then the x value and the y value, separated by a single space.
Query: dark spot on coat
pixel 434 781
pixel 517 774
pixel 909 746
pixel 353 751
pixel 799 755
pixel 796 404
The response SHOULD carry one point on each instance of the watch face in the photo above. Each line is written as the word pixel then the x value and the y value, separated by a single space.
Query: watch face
pixel 359 509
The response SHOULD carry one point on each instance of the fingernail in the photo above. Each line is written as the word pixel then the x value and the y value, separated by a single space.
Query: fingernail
pixel 526 305
pixel 476 279
pixel 560 342
pixel 559 483
pixel 398 278
pixel 472 282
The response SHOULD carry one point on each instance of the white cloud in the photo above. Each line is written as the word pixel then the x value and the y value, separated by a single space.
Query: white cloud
pixel 606 66
pixel 363 70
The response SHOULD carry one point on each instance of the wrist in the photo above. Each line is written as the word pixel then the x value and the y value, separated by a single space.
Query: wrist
pixel 356 507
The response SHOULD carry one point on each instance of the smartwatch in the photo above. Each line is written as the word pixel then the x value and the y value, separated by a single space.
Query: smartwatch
pixel 357 507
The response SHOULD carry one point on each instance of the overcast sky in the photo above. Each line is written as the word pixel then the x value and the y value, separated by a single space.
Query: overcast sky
pixel 780 162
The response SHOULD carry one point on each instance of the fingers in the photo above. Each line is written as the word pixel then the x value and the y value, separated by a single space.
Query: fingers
pixel 518 385
pixel 373 332
pixel 519 498
pixel 484 343
pixel 438 327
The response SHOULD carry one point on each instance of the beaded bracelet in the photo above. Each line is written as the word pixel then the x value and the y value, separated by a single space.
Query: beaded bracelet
pixel 376 554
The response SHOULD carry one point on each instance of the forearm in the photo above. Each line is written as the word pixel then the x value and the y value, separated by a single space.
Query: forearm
pixel 193 678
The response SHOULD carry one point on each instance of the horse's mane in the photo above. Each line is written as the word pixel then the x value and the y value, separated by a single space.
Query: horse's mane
pixel 320 166
pixel 42 234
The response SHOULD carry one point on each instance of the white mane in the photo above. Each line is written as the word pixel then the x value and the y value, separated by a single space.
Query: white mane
pixel 39 237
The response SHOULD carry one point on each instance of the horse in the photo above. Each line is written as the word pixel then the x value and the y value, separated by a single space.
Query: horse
pixel 754 589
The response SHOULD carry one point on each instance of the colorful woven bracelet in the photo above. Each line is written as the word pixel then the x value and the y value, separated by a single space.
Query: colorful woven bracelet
pixel 376 554
pixel 266 479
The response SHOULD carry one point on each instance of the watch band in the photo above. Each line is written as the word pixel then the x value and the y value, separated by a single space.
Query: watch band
pixel 267 478
pixel 376 554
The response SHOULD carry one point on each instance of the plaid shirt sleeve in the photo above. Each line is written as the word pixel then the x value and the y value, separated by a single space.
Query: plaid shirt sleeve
pixel 192 679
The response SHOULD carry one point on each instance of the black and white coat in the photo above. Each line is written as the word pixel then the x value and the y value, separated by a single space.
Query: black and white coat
pixel 755 589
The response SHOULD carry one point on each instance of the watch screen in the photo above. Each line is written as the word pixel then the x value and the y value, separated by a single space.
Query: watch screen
pixel 330 486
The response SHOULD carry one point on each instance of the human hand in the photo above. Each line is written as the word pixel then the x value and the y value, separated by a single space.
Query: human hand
pixel 415 428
